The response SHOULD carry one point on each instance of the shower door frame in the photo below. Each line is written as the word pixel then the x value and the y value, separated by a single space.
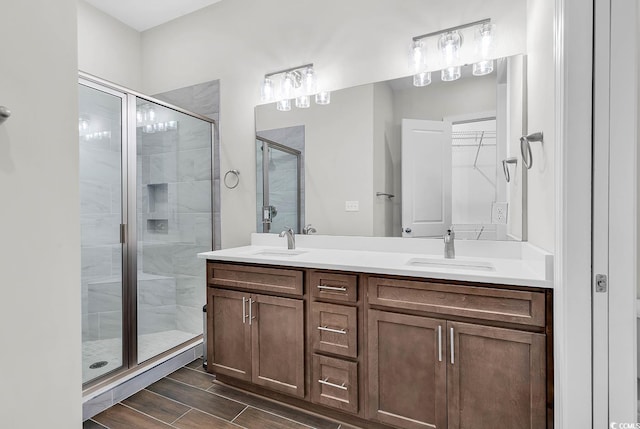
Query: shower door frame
pixel 128 229
pixel 266 144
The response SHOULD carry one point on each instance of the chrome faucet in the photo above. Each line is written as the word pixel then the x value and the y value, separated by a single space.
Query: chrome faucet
pixel 291 237
pixel 449 249
pixel 308 229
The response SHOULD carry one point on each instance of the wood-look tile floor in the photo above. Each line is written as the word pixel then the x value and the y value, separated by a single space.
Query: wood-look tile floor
pixel 190 398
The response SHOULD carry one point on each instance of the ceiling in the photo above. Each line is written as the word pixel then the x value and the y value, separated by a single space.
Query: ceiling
pixel 145 14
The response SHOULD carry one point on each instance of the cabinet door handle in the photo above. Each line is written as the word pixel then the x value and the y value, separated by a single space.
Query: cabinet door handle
pixel 340 288
pixel 335 331
pixel 337 386
pixel 452 352
pixel 250 310
pixel 244 310
pixel 439 343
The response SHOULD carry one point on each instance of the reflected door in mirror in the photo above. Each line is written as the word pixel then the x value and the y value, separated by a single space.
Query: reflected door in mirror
pixel 426 178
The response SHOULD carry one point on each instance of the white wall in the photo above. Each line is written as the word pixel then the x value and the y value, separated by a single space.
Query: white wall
pixel 107 48
pixel 541 117
pixel 238 41
pixel 330 156
pixel 383 142
pixel 39 219
pixel 514 113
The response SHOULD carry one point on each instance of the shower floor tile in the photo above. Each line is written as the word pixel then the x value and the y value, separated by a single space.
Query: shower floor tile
pixel 110 351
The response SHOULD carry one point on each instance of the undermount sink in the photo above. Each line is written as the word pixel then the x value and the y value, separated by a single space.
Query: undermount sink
pixel 279 252
pixel 451 264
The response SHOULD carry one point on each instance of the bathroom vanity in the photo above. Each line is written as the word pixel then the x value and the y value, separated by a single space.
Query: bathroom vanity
pixel 395 338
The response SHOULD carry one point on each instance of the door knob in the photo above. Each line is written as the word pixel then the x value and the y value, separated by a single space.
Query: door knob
pixel 407 230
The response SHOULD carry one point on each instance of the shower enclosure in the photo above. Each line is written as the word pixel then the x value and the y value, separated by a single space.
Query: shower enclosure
pixel 146 211
pixel 279 186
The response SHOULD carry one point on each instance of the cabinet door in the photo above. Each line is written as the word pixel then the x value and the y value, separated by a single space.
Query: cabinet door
pixel 229 333
pixel 496 377
pixel 407 370
pixel 277 337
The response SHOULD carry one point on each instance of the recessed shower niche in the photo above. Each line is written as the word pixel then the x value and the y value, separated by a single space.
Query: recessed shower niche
pixel 146 184
pixel 158 203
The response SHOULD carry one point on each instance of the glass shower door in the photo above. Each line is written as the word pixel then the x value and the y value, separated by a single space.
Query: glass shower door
pixel 101 194
pixel 280 168
pixel 173 223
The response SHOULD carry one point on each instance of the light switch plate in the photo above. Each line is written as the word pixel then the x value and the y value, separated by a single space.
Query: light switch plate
pixel 499 212
pixel 352 206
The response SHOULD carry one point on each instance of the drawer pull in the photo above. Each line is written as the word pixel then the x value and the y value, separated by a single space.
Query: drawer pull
pixel 337 386
pixel 333 288
pixel 335 331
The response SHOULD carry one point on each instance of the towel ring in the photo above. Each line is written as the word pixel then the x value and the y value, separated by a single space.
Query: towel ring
pixel 525 148
pixel 4 114
pixel 236 174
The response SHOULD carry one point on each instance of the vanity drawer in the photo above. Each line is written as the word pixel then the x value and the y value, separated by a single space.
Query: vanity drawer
pixel 521 307
pixel 277 280
pixel 335 383
pixel 334 286
pixel 334 329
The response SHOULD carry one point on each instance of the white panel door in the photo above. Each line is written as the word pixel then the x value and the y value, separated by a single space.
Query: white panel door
pixel 426 178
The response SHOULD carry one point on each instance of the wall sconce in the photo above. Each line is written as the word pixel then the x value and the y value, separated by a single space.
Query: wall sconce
pixel 296 84
pixel 449 44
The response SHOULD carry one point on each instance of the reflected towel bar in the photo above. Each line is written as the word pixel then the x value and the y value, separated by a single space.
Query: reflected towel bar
pixel 525 147
pixel 4 114
pixel 381 194
pixel 505 167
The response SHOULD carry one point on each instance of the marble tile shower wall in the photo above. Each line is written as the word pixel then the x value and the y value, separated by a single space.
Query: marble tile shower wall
pixel 100 217
pixel 174 224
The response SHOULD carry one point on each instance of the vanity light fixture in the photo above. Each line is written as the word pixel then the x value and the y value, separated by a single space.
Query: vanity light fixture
pixel 449 45
pixel 296 84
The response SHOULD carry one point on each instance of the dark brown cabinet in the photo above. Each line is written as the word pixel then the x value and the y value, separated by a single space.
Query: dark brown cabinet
pixel 384 351
pixel 496 377
pixel 230 333
pixel 277 344
pixel 407 370
pixel 426 372
pixel 257 338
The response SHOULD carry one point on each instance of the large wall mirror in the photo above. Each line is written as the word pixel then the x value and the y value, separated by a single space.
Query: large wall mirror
pixel 390 159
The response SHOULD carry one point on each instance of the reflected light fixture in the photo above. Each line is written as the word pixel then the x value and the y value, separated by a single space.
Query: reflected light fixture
pixel 303 102
pixel 296 84
pixel 323 97
pixel 484 45
pixel 449 44
pixel 422 79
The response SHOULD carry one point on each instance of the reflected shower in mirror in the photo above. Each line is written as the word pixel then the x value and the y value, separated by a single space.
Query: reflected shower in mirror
pixel 391 159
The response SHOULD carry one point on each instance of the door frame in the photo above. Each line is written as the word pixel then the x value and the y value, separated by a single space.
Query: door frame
pixel 615 212
pixel 573 25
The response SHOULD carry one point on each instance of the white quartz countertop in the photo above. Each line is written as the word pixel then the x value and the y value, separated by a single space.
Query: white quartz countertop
pixel 508 263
